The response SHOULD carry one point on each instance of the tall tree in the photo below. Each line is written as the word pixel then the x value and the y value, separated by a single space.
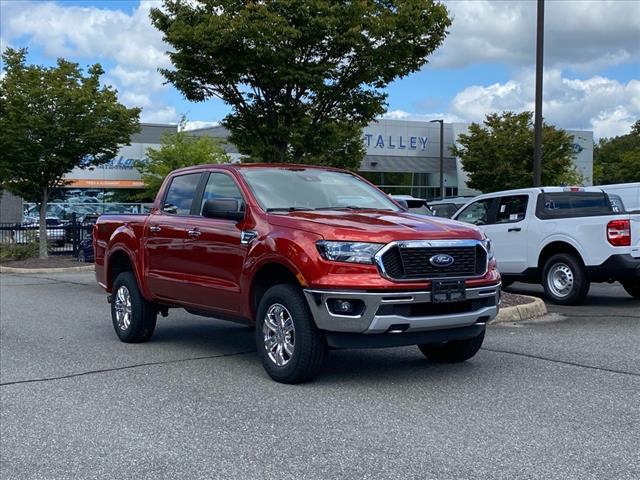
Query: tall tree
pixel 53 119
pixel 617 159
pixel 498 155
pixel 303 77
pixel 178 150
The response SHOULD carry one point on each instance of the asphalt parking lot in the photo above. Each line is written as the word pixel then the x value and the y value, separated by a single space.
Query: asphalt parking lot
pixel 557 398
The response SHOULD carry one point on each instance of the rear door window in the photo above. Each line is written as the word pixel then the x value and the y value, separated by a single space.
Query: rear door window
pixel 573 204
pixel 180 194
pixel 511 209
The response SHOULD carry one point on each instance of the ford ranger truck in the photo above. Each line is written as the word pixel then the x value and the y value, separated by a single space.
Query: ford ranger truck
pixel 315 258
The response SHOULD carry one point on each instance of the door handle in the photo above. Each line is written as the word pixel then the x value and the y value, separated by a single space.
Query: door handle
pixel 154 229
pixel 514 229
pixel 194 233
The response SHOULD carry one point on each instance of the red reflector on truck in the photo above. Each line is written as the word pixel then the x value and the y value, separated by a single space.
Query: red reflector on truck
pixel 619 233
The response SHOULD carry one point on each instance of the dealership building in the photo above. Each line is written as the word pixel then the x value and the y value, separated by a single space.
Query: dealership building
pixel 402 157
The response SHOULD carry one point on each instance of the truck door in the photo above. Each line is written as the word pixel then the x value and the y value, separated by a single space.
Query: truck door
pixel 508 232
pixel 165 236
pixel 214 254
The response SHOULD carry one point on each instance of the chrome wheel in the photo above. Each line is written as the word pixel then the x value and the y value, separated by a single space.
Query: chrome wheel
pixel 123 308
pixel 560 280
pixel 278 334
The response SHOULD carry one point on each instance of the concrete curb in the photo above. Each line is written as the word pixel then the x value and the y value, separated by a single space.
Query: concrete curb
pixel 519 313
pixel 83 268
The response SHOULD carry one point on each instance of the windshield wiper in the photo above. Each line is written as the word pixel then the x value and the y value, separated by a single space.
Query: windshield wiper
pixel 289 209
pixel 353 207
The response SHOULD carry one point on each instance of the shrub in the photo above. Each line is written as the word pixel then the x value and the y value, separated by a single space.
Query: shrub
pixel 14 251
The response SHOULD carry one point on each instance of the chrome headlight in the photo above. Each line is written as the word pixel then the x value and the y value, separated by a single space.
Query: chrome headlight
pixel 488 246
pixel 353 252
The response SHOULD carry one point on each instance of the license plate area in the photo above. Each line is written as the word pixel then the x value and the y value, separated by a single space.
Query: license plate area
pixel 446 291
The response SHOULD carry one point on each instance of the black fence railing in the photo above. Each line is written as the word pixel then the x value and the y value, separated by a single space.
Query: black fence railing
pixel 63 238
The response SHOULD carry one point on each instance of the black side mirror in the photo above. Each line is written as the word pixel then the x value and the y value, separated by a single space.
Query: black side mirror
pixel 227 208
pixel 402 203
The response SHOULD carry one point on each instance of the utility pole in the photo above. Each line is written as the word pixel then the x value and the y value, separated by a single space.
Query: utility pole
pixel 441 122
pixel 537 145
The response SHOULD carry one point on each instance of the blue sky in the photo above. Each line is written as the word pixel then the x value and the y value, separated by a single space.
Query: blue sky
pixel 486 64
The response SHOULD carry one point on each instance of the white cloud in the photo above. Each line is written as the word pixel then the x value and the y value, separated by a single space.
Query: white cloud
pixel 98 35
pixel 160 115
pixel 606 106
pixel 585 35
pixel 146 80
pixel 424 117
pixel 195 124
pixel 133 99
pixel 88 32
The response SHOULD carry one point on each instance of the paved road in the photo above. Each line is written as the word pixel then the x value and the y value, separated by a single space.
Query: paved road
pixel 552 399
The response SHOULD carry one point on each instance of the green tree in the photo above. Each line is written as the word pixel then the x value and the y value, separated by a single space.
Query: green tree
pixel 53 119
pixel 617 159
pixel 499 154
pixel 178 150
pixel 303 77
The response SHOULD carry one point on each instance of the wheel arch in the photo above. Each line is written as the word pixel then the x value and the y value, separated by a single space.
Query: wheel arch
pixel 266 276
pixel 558 246
pixel 120 260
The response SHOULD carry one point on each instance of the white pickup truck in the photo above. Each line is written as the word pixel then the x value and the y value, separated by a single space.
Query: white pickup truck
pixel 564 238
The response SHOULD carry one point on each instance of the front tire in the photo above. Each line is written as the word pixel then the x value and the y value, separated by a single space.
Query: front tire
pixel 632 287
pixel 133 317
pixel 453 352
pixel 290 346
pixel 565 280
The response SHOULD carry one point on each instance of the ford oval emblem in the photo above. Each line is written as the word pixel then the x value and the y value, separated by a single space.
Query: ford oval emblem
pixel 441 260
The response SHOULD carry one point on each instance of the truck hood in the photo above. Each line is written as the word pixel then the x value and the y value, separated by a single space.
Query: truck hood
pixel 375 226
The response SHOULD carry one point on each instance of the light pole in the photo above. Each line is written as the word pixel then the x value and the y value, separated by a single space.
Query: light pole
pixel 537 143
pixel 441 122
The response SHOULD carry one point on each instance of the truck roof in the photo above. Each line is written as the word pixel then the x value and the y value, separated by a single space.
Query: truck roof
pixel 241 166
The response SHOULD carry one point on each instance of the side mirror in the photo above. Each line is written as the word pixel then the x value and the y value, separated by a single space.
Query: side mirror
pixel 402 203
pixel 226 208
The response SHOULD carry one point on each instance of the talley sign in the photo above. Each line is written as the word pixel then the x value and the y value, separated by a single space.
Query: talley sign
pixel 395 141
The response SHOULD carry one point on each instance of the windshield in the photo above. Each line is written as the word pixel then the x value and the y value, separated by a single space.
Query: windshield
pixel 313 189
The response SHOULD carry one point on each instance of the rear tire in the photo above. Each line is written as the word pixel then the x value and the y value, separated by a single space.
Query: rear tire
pixel 453 352
pixel 290 346
pixel 565 280
pixel 133 317
pixel 632 287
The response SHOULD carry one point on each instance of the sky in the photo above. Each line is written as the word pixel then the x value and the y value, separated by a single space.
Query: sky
pixel 486 63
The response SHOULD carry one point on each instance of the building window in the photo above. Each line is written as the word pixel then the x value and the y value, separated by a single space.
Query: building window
pixel 407 183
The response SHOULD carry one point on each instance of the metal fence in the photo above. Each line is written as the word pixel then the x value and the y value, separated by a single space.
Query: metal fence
pixel 64 211
pixel 63 238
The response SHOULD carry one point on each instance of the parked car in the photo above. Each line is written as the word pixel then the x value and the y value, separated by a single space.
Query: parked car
pixel 315 258
pixel 29 231
pixel 447 207
pixel 564 238
pixel 85 250
pixel 413 204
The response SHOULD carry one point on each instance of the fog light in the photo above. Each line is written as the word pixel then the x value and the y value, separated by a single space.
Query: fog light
pixel 339 306
pixel 344 306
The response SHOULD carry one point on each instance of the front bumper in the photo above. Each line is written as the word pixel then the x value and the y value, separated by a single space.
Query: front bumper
pixel 399 312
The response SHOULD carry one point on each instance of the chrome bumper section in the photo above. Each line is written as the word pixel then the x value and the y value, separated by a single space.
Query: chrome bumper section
pixel 370 322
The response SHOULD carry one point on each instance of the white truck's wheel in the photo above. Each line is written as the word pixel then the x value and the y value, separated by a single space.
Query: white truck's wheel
pixel 564 279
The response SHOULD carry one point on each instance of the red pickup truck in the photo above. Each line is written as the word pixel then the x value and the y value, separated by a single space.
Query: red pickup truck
pixel 316 258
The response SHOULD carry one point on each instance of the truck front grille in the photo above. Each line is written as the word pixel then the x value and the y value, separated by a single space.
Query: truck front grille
pixel 413 263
